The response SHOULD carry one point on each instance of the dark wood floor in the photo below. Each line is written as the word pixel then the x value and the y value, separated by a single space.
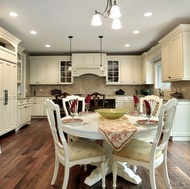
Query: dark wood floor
pixel 27 162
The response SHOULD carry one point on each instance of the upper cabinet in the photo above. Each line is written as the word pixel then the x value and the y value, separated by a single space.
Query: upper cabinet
pixel 50 70
pixel 147 70
pixel 123 70
pixel 89 64
pixel 175 54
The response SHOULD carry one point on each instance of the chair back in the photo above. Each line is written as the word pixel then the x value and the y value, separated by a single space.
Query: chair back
pixel 166 118
pixel 155 104
pixel 98 101
pixel 54 119
pixel 67 102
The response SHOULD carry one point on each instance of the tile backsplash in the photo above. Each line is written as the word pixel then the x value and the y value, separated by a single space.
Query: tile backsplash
pixel 89 83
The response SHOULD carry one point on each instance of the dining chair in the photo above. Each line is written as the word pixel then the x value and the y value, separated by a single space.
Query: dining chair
pixel 147 155
pixel 82 151
pixel 98 101
pixel 155 104
pixel 68 100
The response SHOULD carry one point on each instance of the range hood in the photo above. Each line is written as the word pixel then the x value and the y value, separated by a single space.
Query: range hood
pixel 88 64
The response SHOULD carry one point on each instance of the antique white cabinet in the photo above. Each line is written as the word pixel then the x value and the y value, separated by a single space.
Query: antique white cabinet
pixel 24 112
pixel 123 70
pixel 147 70
pixel 175 54
pixel 50 70
pixel 124 102
pixel 181 126
pixel 8 81
pixel 37 106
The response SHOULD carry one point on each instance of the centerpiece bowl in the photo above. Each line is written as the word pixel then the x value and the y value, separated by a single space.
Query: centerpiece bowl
pixel 109 113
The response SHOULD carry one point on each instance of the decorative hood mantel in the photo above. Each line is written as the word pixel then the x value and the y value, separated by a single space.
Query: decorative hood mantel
pixel 88 64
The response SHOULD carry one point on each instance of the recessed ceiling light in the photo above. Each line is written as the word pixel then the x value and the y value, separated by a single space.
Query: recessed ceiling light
pixel 13 14
pixel 136 32
pixel 33 32
pixel 147 14
pixel 127 45
pixel 47 45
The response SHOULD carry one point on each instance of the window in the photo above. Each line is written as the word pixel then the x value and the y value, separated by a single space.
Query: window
pixel 158 77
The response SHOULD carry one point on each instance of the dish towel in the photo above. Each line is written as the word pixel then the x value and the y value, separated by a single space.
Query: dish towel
pixel 117 132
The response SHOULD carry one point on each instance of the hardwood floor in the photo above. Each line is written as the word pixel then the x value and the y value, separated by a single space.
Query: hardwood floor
pixel 27 162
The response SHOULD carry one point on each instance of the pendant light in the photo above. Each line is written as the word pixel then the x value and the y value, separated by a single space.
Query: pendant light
pixel 70 67
pixel 111 11
pixel 101 66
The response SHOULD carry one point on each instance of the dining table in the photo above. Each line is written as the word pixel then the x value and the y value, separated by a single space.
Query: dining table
pixel 87 125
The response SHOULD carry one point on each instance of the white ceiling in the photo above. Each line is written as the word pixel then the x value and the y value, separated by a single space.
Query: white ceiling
pixel 55 20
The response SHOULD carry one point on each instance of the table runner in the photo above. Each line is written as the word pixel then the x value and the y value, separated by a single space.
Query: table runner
pixel 117 132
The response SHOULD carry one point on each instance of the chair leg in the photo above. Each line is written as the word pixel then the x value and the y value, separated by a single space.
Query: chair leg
pixel 103 174
pixel 66 176
pixel 152 178
pixel 56 169
pixel 114 174
pixel 165 171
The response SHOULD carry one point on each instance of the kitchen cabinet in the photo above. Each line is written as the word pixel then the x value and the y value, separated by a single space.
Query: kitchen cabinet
pixel 24 113
pixel 37 106
pixel 147 70
pixel 50 70
pixel 122 70
pixel 8 81
pixel 181 127
pixel 88 64
pixel 38 71
pixel 131 70
pixel 175 54
pixel 124 102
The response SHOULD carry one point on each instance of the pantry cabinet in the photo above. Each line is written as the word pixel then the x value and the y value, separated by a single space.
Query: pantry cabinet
pixel 8 81
pixel 175 54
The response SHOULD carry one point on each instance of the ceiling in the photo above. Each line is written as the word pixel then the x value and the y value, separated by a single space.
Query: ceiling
pixel 55 20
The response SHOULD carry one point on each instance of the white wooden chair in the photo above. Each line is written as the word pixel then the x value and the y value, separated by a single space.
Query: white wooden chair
pixel 155 104
pixel 82 151
pixel 68 100
pixel 147 155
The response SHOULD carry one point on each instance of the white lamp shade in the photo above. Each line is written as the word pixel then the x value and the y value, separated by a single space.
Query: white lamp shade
pixel 96 20
pixel 115 12
pixel 116 24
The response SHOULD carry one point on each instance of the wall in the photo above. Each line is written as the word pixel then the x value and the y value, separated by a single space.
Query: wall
pixel 87 84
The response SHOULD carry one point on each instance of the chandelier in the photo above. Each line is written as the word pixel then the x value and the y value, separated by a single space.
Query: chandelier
pixel 112 11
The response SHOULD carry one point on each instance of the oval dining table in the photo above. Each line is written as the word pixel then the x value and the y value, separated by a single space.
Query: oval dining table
pixel 89 129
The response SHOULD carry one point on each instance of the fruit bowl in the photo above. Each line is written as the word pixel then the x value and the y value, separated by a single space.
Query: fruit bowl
pixel 109 113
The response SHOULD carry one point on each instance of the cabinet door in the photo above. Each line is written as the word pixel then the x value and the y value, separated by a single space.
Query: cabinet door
pixel 125 70
pixel 176 57
pixel 65 74
pixel 147 71
pixel 37 107
pixel 38 72
pixel 136 70
pixel 52 71
pixel 113 71
pixel 165 62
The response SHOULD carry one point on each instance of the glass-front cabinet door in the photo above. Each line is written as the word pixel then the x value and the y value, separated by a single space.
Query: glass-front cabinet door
pixel 113 71
pixel 66 72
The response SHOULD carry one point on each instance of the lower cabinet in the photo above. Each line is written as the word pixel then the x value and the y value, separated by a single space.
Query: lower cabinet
pixel 38 106
pixel 24 113
pixel 125 102
pixel 181 126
